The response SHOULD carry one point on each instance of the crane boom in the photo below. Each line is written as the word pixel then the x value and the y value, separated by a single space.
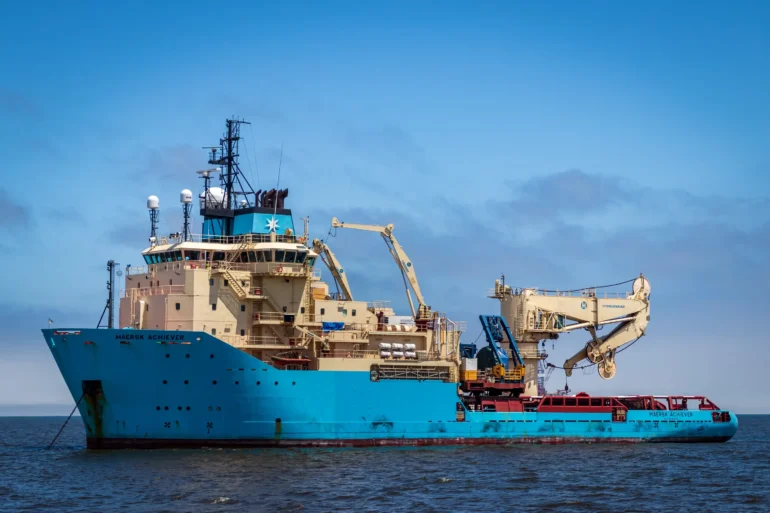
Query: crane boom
pixel 539 314
pixel 402 261
pixel 334 266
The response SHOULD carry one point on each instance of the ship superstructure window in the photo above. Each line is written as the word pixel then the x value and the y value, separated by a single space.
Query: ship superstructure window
pixel 279 255
pixel 301 255
pixel 268 254
pixel 354 312
pixel 213 306
pixel 178 306
pixel 243 332
pixel 214 332
pixel 252 257
pixel 211 282
pixel 323 311
pixel 192 255
pixel 243 308
pixel 245 257
pixel 218 255
pixel 311 261
pixel 260 256
pixel 147 259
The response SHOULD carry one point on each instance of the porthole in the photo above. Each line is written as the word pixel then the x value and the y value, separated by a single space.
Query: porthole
pixel 165 408
pixel 258 382
pixel 214 382
pixel 236 382
pixel 168 355
pixel 276 383
pixel 186 382
pixel 293 382
pixel 165 382
pixel 187 355
pixel 211 356
pixel 157 408
pixel 188 408
pixel 179 408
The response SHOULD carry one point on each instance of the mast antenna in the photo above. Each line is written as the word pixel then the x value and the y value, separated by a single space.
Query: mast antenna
pixel 185 198
pixel 109 307
pixel 153 205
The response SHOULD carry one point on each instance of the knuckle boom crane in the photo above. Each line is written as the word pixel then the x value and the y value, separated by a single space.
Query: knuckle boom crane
pixel 537 315
pixel 402 261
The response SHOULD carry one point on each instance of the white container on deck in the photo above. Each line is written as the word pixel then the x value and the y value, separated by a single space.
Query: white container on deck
pixel 385 345
pixel 385 354
pixel 469 364
pixel 397 345
pixel 410 347
pixel 410 354
pixel 398 354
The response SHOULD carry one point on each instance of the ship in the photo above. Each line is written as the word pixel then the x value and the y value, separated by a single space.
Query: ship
pixel 231 338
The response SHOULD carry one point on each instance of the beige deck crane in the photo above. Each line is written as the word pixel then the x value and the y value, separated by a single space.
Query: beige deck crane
pixel 537 315
pixel 334 267
pixel 402 260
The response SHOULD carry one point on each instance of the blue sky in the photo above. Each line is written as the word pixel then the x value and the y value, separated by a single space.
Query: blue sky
pixel 566 145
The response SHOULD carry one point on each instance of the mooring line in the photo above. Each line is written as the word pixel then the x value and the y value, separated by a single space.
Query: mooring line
pixel 65 422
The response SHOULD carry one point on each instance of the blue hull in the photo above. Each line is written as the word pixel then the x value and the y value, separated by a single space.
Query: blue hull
pixel 145 388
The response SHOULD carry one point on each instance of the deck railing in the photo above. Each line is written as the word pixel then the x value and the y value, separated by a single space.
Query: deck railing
pixel 584 293
pixel 166 290
pixel 255 340
pixel 251 238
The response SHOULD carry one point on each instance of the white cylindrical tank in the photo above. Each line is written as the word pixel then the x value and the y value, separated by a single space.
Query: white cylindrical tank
pixel 397 345
pixel 153 203
pixel 384 354
pixel 385 345
pixel 185 196
pixel 410 354
pixel 410 347
pixel 398 354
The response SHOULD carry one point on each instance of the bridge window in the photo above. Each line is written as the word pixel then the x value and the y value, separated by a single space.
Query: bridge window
pixel 311 261
pixel 218 256
pixel 268 254
pixel 301 255
pixel 289 258
pixel 245 257
pixel 147 259
pixel 279 255
pixel 177 255
pixel 192 255
pixel 252 257
pixel 260 256
pixel 557 401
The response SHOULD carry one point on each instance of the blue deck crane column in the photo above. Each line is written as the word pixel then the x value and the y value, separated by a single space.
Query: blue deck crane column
pixel 497 331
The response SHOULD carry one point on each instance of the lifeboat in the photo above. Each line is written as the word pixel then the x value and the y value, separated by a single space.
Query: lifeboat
pixel 290 358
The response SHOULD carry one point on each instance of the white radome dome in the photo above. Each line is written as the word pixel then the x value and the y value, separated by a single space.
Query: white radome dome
pixel 185 196
pixel 153 203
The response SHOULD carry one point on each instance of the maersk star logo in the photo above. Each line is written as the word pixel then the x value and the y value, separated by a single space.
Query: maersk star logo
pixel 272 225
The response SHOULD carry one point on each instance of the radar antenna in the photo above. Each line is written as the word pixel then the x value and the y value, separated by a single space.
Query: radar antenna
pixel 153 205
